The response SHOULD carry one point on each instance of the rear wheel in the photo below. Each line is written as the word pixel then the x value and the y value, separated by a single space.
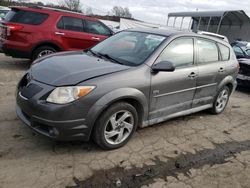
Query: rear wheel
pixel 115 126
pixel 43 51
pixel 221 100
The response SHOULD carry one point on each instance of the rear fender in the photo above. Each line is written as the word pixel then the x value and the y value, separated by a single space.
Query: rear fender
pixel 227 80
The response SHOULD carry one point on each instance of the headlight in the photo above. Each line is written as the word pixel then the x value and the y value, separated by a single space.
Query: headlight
pixel 63 95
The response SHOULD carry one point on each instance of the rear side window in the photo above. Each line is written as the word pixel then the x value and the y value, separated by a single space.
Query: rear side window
pixel 180 52
pixel 225 52
pixel 25 17
pixel 70 23
pixel 207 51
pixel 96 28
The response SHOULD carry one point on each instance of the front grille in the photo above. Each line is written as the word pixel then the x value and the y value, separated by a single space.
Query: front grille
pixel 45 129
pixel 244 69
pixel 28 89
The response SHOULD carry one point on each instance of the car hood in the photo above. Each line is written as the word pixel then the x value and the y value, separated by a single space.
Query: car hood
pixel 71 68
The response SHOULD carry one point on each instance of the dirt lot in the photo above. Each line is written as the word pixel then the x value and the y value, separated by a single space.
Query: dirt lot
pixel 200 150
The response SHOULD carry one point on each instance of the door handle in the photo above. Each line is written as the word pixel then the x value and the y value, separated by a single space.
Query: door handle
pixel 221 69
pixel 192 75
pixel 59 33
pixel 95 38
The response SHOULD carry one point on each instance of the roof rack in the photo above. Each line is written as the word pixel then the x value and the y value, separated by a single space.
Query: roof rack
pixel 55 9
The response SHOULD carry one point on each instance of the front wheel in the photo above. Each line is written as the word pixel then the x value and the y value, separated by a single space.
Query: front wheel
pixel 115 126
pixel 221 100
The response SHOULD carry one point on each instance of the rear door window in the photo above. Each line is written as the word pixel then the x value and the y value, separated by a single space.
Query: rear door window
pixel 25 17
pixel 225 52
pixel 207 51
pixel 70 23
pixel 96 28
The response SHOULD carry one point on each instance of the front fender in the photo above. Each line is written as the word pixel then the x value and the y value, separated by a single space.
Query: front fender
pixel 113 96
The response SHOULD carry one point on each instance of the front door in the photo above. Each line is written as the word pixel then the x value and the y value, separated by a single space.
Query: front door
pixel 173 92
pixel 95 32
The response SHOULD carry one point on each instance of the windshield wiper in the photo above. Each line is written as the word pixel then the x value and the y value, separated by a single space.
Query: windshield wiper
pixel 110 58
pixel 94 53
pixel 100 55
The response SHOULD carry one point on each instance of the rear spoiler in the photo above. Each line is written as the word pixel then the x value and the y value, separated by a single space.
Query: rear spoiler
pixel 222 37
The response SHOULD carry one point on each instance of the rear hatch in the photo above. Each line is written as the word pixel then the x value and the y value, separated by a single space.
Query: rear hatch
pixel 18 23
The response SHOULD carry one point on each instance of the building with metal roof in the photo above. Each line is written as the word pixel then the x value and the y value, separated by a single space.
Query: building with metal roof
pixel 235 24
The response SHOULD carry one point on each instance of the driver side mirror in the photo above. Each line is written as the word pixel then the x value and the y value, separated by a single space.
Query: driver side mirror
pixel 165 66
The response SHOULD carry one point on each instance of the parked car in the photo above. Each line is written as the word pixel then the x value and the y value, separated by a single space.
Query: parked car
pixel 3 12
pixel 245 48
pixel 34 32
pixel 242 52
pixel 135 78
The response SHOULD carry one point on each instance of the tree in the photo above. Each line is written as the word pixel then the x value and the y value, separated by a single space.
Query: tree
pixel 127 13
pixel 40 3
pixel 121 12
pixel 5 2
pixel 23 1
pixel 74 5
pixel 88 11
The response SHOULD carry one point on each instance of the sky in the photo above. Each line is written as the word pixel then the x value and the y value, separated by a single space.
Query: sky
pixel 156 11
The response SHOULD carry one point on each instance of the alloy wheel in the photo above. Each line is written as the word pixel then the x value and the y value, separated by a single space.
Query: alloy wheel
pixel 222 99
pixel 45 52
pixel 119 127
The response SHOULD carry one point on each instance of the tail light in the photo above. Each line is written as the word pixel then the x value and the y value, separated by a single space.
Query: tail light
pixel 13 27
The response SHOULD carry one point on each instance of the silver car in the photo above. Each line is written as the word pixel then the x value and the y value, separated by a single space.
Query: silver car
pixel 135 78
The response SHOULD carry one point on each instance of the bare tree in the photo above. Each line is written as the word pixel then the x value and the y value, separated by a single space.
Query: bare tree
pixel 127 13
pixel 23 1
pixel 74 5
pixel 121 12
pixel 5 2
pixel 89 11
pixel 40 3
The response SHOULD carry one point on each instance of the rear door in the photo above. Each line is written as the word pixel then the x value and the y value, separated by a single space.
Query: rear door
pixel 211 71
pixel 76 33
pixel 70 33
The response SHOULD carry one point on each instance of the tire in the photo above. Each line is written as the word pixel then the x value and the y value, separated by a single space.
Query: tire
pixel 104 129
pixel 38 52
pixel 220 107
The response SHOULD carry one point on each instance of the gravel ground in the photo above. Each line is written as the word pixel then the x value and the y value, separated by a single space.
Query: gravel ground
pixel 200 150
